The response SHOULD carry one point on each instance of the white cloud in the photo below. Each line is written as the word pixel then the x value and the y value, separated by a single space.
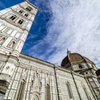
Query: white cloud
pixel 79 26
pixel 75 24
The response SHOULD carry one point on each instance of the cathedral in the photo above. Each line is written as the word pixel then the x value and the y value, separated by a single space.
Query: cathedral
pixel 23 77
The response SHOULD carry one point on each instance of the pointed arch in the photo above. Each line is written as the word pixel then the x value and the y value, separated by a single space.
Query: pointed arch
pixel 35 97
pixel 12 44
pixel 69 90
pixel 21 90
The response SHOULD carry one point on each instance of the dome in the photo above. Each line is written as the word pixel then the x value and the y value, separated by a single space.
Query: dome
pixel 71 57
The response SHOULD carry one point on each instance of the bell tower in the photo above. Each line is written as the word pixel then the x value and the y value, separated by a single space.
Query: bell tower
pixel 15 23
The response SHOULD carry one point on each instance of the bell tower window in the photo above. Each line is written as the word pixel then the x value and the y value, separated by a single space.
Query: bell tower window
pixel 13 17
pixel 26 15
pixel 28 8
pixel 20 21
pixel 21 11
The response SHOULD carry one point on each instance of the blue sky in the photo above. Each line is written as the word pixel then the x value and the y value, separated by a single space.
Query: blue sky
pixel 62 24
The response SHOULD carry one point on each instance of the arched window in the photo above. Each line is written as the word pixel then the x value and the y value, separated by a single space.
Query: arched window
pixel 26 15
pixel 28 8
pixel 21 90
pixel 80 67
pixel 20 21
pixel 48 92
pixel 13 17
pixel 69 91
pixel 21 11
pixel 86 93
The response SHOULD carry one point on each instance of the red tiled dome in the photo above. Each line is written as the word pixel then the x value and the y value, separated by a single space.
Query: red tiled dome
pixel 72 57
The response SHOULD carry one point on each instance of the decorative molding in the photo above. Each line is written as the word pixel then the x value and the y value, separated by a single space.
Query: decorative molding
pixel 32 5
pixel 9 21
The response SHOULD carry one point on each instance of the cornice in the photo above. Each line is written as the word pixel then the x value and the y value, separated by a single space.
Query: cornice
pixel 90 76
pixel 28 57
pixel 32 5
pixel 34 68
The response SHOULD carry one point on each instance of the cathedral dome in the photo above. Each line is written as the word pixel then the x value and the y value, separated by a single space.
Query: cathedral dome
pixel 73 57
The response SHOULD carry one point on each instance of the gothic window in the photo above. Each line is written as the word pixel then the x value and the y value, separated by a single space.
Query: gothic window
pixel 21 90
pixel 13 17
pixel 12 44
pixel 2 40
pixel 69 91
pixel 26 15
pixel 21 11
pixel 20 21
pixel 28 8
pixel 48 92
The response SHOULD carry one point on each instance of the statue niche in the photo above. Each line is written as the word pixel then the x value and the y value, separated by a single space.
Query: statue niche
pixel 36 83
pixel 2 40
pixel 12 44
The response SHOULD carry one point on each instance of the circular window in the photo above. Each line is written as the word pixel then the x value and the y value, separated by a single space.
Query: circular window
pixel 80 67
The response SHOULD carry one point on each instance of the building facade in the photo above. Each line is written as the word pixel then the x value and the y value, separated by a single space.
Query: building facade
pixel 23 77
